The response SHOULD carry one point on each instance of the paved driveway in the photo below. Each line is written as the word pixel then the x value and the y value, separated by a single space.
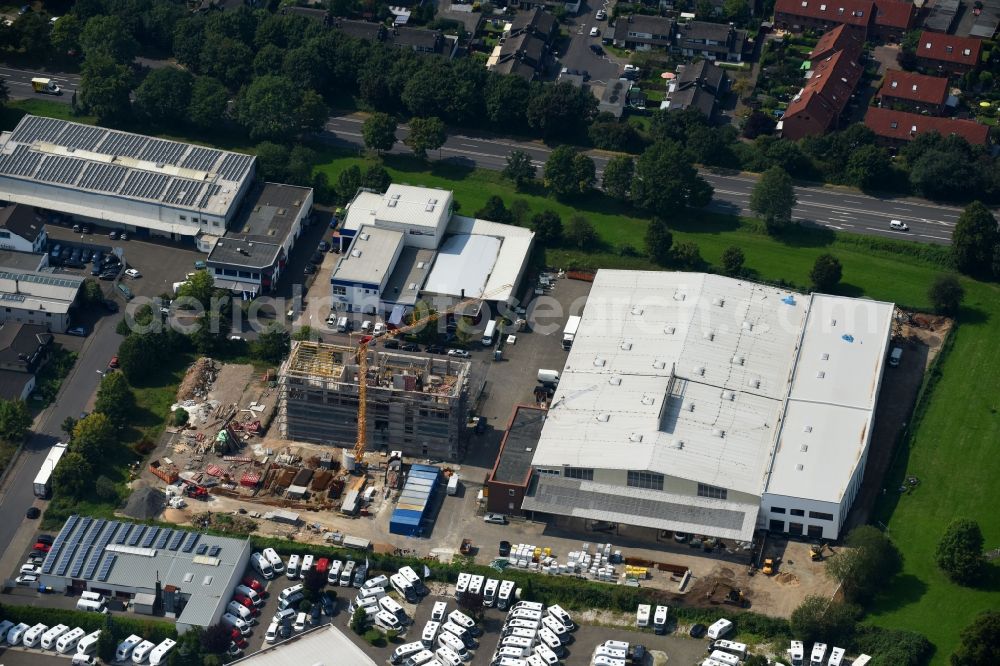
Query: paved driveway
pixel 578 54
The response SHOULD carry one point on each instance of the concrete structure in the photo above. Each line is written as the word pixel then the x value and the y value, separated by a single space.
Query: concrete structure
pixel 22 229
pixel 416 404
pixel 195 572
pixel 23 350
pixel 415 501
pixel 897 128
pixel 406 245
pixel 38 297
pixel 910 91
pixel 700 404
pixel 321 646
pixel 511 475
pixel 139 183
pixel 948 54
pixel 251 256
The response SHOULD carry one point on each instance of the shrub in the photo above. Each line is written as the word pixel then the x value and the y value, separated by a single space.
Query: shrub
pixel 374 637
pixel 180 417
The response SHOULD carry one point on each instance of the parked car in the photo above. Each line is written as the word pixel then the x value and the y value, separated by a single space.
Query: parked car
pixel 495 518
pixel 434 349
pixel 458 353
pixel 601 15
pixel 410 347
pixel 595 31
pixel 78 331
pixel 316 258
pixel 33 512
pixel 26 579
pixel 113 363
pixel 504 548
pixel 698 630
pixel 133 273
pixel 329 606
pixel 45 538
pixel 113 235
pixel 253 584
pixel 309 269
pixel 596 48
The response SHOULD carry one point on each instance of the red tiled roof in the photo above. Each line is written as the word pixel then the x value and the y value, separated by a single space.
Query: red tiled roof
pixel 914 87
pixel 895 13
pixel 853 12
pixel 842 38
pixel 904 126
pixel 949 48
pixel 824 96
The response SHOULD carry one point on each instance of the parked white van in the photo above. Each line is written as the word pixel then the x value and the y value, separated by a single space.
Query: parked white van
pixel 464 621
pixel 271 635
pixel 411 576
pixel 449 641
pixel 724 658
pixel 93 596
pixel 505 595
pixel 274 559
pixel 797 653
pixel 490 592
pixel 68 641
pixel 430 632
pixel 250 594
pixel 389 605
pixel 720 628
pixel 262 566
pixel 88 644
pixel 292 570
pixel 50 637
pixel 236 623
pixel 440 608
pixel 347 575
pixel 551 641
pixel 158 655
pixel 818 654
pixel 556 627
pixel 386 620
pixel 142 651
pixel 611 652
pixel 404 588
pixel 530 605
pixel 660 619
pixel 517 641
pixel 419 659
pixel 510 652
pixel 307 565
pixel 361 602
pixel 447 656
pixel 460 633
pixel 558 613
pixel 732 647
pixel 521 632
pixel 91 606
pixel 290 590
pixel 548 654
pixel 16 633
pixel 462 585
pixel 525 614
pixel 533 625
pixel 34 635
pixel 378 581
pixel 836 657
pixel 404 651
pixel 124 651
pixel 602 660
pixel 476 584
pixel 333 576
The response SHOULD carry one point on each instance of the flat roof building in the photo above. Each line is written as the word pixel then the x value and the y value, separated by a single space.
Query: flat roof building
pixel 674 409
pixel 322 646
pixel 511 474
pixel 196 572
pixel 38 297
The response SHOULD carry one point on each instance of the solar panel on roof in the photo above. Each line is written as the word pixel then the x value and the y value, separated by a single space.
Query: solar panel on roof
pixel 78 561
pixel 106 565
pixel 136 535
pixel 213 551
pixel 147 540
pixel 66 558
pixel 161 543
pixel 175 542
pixel 123 533
pixel 50 559
pixel 190 542
pixel 202 549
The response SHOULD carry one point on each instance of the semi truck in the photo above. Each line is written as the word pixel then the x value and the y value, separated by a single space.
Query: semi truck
pixel 43 481
pixel 45 86
pixel 570 331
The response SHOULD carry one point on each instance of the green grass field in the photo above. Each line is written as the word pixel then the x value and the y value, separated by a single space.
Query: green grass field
pixel 952 449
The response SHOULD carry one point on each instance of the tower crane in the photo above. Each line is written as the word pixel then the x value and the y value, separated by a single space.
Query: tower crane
pixel 361 444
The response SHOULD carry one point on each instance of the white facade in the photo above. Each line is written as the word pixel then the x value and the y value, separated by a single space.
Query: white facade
pixel 11 241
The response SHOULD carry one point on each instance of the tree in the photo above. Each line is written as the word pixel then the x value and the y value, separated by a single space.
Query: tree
pixel 271 345
pixel 91 294
pixel 506 99
pixel 106 643
pixel 561 110
pixel 520 169
pixel 618 174
pixel 580 233
pixel 209 100
pixel 272 160
pixel 105 488
pixel 868 167
pixel 301 161
pixel 104 87
pixel 216 638
pixel 31 33
pixel 93 436
pixel 65 35
pixel 773 198
pixel 559 173
pixel 757 124
pixel 980 644
pixel 659 240
pixel 200 287
pixel 314 580
pixel 358 620
pixel 945 173
pixel 110 36
pixel 72 476
pixel 273 107
pixel 946 294
pixel 732 260
pixel 211 334
pixel 974 239
pixel 866 564
pixel 547 226
pixel 67 426
pixel 818 618
pixel 826 273
pixel 665 179
pixel 425 134
pixel 15 420
pixel 960 552
pixel 377 178
pixel 379 132
pixel 348 183
pixel 584 173
pixel 495 211
pixel 165 95
pixel 736 11
pixel 138 358
pixel 115 399
pixel 687 256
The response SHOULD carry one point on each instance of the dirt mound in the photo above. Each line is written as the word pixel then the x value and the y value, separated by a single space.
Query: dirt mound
pixel 197 380
pixel 787 578
pixel 145 504
pixel 175 516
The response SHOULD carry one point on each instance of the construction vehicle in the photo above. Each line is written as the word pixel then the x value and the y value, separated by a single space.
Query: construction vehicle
pixel 45 86
pixel 736 597
pixel 768 567
pixel 466 547
pixel 365 342
pixel 194 491
pixel 816 551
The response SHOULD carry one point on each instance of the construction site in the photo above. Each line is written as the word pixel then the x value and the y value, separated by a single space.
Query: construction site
pixel 417 405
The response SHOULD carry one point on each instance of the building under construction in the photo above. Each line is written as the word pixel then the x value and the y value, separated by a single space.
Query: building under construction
pixel 416 404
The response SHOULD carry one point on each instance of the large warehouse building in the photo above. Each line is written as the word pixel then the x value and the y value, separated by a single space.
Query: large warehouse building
pixel 196 572
pixel 702 404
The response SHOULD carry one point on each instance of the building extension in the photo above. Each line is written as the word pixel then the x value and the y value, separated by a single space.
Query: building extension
pixel 195 573
pixel 709 405
pixel 511 475
pixel 416 404
pixel 407 245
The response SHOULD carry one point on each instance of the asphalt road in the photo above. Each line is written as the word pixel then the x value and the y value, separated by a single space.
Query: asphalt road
pixel 19 83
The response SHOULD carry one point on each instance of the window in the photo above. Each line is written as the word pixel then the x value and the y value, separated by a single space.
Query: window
pixel 548 472
pixel 777 509
pixel 705 490
pixel 798 512
pixel 4 234
pixel 218 271
pixel 215 223
pixel 582 473
pixel 821 516
pixel 183 218
pixel 815 532
pixel 229 272
pixel 339 291
pixel 510 491
pixel 244 274
pixel 795 528
pixel 776 525
pixel 641 479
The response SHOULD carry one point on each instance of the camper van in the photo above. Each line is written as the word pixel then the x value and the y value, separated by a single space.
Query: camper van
pixel 447 656
pixel 33 636
pixel 403 587
pixel 389 605
pixel 551 641
pixel 818 655
pixel 459 633
pixel 719 629
pixel 642 615
pixel 333 577
pixel 387 621
pixel 88 644
pixel 91 606
pixel 16 633
pixel 448 640
pixel 419 659
pixel 464 621
pixel 490 592
pixel 525 614
pixel 307 565
pixel 462 585
pixel 50 637
pixel 430 632
pixel 378 581
pixel 262 566
pixel 141 651
pixel 347 575
pixel 5 628
pixel 724 658
pixel 404 651
pixel 476 585
pixel 290 590
pixel 490 333
pixel 548 655
pixel 554 625
pixel 124 651
pixel 836 657
pixel 272 556
pixel 562 616
pixel 509 653
pixel 660 619
pixel 67 642
pixel 413 579
pixel 292 570
pixel 505 595
pixel 732 647
pixel 797 653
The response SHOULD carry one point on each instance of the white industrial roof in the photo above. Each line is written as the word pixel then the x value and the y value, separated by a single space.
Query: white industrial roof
pixel 371 256
pixel 361 210
pixel 323 646
pixel 415 206
pixel 463 265
pixel 831 402
pixel 38 290
pixel 515 246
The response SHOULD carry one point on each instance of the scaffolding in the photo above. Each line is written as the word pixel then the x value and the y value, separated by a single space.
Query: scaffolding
pixel 416 404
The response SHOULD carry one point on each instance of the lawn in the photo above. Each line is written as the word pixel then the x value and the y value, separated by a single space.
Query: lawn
pixel 16 109
pixel 958 429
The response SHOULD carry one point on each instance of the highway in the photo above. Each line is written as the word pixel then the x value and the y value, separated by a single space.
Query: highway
pixel 19 83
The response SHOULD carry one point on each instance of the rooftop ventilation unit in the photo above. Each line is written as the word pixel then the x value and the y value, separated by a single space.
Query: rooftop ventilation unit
pixel 394 197
pixel 429 208
pixel 807 428
pixel 718 302
pixel 206 581
pixel 647 400
pixel 635 437
pixel 709 335
pixel 355 253
pixel 615 381
pixel 392 204
pixel 729 395
pixel 747 326
pixel 753 382
pixel 700 371
pixel 637 310
pixel 603 417
pixel 679 296
pixel 824 357
pixel 820 375
pixel 365 236
pixel 421 264
pixel 689 406
pixel 833 322
pixel 800 467
pixel 738 360
pixel 659 365
pixel 626 346
pixel 669 330
pixel 599 362
pixel 716 432
pixel 677 444
pixel 804 448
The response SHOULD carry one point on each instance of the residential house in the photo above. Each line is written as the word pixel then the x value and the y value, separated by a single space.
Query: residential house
pixel 642 33
pixel 949 54
pixel 373 32
pixel 797 15
pixel 893 19
pixel 842 38
pixel 521 51
pixel 712 41
pixel 910 91
pixel 697 86
pixel 420 40
pixel 22 229
pixel 23 350
pixel 537 22
pixel 896 128
pixel 817 107
pixel 615 97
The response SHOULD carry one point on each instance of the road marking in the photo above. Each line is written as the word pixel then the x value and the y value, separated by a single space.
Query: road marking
pixel 935 237
pixel 469 145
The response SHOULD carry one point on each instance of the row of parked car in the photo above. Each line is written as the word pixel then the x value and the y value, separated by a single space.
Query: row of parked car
pixel 60 639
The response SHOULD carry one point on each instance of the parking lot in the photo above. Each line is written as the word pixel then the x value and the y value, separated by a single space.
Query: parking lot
pixel 578 54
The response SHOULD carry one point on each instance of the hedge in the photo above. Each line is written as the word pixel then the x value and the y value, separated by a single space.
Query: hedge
pixel 120 626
